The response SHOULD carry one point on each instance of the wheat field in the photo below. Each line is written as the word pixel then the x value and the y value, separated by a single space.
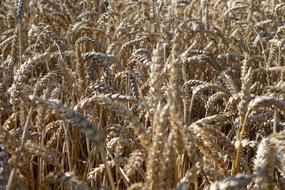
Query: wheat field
pixel 142 94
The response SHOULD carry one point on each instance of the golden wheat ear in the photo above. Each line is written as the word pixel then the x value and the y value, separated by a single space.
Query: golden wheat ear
pixel 234 182
pixel 269 157
pixel 142 94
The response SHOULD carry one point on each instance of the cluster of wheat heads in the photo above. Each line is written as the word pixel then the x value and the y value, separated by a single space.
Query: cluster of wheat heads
pixel 142 95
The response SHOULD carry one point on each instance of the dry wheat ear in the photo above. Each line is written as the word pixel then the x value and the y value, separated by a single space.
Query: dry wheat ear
pixel 142 94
